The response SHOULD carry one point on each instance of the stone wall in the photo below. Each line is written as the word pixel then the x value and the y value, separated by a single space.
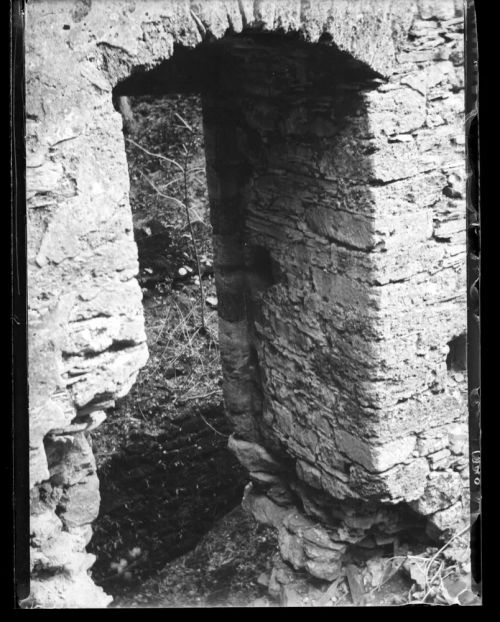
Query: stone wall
pixel 341 274
pixel 335 171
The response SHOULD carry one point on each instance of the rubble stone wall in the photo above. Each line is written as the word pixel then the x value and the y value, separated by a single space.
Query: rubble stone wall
pixel 336 188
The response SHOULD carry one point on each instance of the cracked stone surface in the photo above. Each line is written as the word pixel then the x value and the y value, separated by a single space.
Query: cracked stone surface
pixel 336 182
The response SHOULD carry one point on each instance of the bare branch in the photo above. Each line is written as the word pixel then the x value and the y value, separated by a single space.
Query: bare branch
pixel 193 239
pixel 155 155
pixel 202 417
pixel 184 122
pixel 162 194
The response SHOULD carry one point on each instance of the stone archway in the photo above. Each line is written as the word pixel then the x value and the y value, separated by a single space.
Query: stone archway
pixel 339 258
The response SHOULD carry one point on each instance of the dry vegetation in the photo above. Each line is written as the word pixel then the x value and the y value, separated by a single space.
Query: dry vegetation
pixel 165 472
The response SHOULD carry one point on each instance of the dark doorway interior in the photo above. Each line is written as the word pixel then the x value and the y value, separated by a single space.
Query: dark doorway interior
pixel 165 473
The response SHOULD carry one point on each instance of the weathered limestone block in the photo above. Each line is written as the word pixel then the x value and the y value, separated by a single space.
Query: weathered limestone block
pixel 384 382
pixel 61 517
pixel 254 457
pixel 68 592
pixel 443 490
pixel 302 543
pixel 87 339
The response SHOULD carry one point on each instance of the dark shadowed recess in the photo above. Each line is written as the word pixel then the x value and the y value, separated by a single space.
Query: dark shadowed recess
pixel 165 472
pixel 203 69
pixel 160 494
pixel 457 356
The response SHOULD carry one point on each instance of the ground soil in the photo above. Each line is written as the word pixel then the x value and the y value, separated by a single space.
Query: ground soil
pixel 223 570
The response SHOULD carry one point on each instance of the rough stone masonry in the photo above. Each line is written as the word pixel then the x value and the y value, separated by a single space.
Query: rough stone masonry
pixel 335 164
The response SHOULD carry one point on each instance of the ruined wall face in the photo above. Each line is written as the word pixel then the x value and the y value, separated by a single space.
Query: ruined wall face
pixel 340 223
pixel 362 212
pixel 342 285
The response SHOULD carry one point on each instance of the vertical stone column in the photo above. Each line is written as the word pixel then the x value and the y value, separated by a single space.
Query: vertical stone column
pixel 418 189
pixel 86 337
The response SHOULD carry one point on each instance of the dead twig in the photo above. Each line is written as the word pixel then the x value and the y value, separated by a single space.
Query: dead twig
pixel 163 326
pixel 330 592
pixel 202 396
pixel 212 427
pixel 155 155
pixel 428 584
pixel 184 122
pixel 162 194
pixel 193 239
pixel 395 568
